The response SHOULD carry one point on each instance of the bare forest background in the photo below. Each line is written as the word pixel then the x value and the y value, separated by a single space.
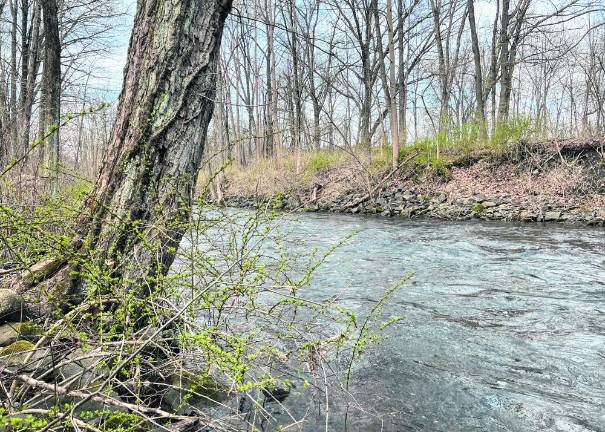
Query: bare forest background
pixel 311 75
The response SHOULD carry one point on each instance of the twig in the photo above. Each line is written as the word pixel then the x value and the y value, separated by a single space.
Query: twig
pixel 380 183
pixel 62 391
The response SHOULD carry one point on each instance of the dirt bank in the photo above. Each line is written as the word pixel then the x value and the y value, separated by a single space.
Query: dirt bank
pixel 551 181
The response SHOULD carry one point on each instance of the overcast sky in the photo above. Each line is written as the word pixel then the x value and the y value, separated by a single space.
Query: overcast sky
pixel 108 81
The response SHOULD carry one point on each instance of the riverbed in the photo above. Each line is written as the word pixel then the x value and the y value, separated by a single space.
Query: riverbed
pixel 504 329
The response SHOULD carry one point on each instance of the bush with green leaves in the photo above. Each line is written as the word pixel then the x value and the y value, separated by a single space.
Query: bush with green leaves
pixel 234 320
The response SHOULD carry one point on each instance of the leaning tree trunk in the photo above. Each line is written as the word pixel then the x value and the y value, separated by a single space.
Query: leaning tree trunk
pixel 134 219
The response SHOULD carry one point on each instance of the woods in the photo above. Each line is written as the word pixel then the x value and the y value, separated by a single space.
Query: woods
pixel 135 295
pixel 303 76
pixel 97 328
pixel 441 67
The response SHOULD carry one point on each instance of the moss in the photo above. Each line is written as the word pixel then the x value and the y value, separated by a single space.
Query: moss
pixel 208 386
pixel 478 208
pixel 197 390
pixel 18 347
pixel 122 422
pixel 17 351
pixel 28 329
pixel 442 171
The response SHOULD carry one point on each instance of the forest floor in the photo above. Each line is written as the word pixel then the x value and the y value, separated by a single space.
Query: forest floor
pixel 547 181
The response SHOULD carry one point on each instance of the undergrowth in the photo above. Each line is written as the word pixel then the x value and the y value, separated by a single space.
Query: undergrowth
pixel 430 157
pixel 236 301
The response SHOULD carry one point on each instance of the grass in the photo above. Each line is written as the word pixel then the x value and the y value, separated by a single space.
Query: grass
pixel 436 154
pixel 283 174
pixel 325 160
pixel 432 157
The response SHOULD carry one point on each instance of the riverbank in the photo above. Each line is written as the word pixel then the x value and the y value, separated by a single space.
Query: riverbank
pixel 548 181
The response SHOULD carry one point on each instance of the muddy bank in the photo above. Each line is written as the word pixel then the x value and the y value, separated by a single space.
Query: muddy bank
pixel 559 182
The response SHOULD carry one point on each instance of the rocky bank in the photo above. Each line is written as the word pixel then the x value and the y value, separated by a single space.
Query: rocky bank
pixel 560 182
pixel 408 204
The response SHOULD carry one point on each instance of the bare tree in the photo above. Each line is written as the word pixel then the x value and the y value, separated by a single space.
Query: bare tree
pixel 51 88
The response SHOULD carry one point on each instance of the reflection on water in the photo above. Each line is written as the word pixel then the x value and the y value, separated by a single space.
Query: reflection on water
pixel 505 328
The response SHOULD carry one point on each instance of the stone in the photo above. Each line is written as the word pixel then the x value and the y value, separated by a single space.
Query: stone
pixel 8 334
pixel 552 216
pixel 292 202
pixel 80 369
pixel 489 204
pixel 527 216
pixel 441 198
pixel 17 353
pixel 11 306
pixel 191 392
pixel 12 332
pixel 416 210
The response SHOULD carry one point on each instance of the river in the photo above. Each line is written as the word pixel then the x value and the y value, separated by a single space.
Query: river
pixel 505 327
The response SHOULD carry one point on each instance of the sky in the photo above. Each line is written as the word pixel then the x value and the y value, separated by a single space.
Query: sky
pixel 109 79
pixel 110 67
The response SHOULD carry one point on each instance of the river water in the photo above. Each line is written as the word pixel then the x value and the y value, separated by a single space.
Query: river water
pixel 505 327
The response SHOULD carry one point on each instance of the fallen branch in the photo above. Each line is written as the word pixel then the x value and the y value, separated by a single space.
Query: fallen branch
pixel 106 400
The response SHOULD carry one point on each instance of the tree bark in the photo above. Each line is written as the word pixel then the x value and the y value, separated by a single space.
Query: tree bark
pixel 13 75
pixel 29 83
pixel 134 220
pixel 270 65
pixel 4 114
pixel 480 110
pixel 401 19
pixel 511 34
pixel 51 88
pixel 393 84
pixel 505 82
pixel 296 84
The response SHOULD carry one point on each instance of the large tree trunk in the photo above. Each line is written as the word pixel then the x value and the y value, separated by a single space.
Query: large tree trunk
pixel 134 219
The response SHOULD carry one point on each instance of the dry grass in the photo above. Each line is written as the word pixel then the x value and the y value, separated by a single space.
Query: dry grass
pixel 541 172
pixel 337 172
pixel 562 181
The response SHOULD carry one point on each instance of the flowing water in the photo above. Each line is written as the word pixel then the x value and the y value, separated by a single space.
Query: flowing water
pixel 505 327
